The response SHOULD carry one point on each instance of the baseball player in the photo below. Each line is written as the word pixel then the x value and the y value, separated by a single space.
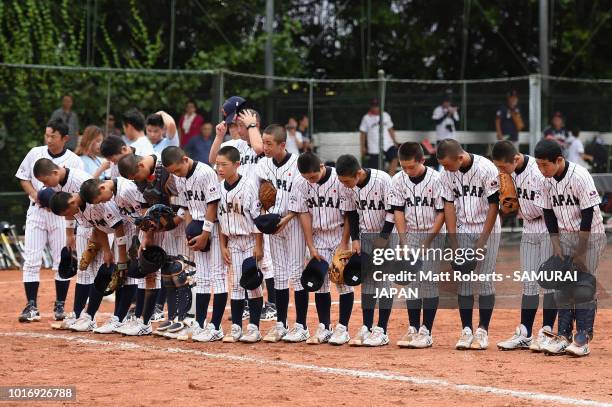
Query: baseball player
pixel 161 131
pixel 287 244
pixel 470 189
pixel 43 227
pixel 240 239
pixel 157 186
pixel 316 197
pixel 249 143
pixel 128 199
pixel 198 186
pixel 369 212
pixel 69 180
pixel 419 218
pixel 113 148
pixel 104 219
pixel 571 211
pixel 534 248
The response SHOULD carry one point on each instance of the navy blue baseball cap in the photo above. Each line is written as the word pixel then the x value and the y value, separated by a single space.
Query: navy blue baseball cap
pixel 44 197
pixel 352 269
pixel 195 229
pixel 231 107
pixel 313 275
pixel 267 223
pixel 68 263
pixel 252 276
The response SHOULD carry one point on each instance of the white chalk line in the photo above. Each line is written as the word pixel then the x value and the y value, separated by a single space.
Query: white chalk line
pixel 367 374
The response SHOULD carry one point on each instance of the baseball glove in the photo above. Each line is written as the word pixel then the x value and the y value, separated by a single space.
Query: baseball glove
pixel 89 255
pixel 336 268
pixel 159 217
pixel 508 198
pixel 267 195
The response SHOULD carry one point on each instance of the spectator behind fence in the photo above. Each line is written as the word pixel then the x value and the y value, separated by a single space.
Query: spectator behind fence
pixel 575 150
pixel 446 119
pixel 110 126
pixel 190 123
pixel 556 131
pixel 304 130
pixel 198 148
pixel 597 149
pixel 133 127
pixel 368 132
pixel 508 120
pixel 69 117
pixel 294 138
pixel 89 149
pixel 161 131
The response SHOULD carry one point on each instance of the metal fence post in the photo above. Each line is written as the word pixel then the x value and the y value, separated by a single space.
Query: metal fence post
pixel 535 111
pixel 381 122
pixel 311 108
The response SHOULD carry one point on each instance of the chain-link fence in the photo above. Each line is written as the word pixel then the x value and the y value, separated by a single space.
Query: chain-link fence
pixel 30 93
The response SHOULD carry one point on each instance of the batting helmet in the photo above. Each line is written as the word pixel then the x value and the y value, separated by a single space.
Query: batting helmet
pixel 550 270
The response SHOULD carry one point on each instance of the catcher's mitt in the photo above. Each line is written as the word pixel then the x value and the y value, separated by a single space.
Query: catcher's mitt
pixel 267 195
pixel 158 217
pixel 336 268
pixel 508 198
pixel 89 255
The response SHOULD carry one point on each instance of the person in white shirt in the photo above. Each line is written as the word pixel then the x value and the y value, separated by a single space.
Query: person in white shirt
pixel 446 118
pixel 574 149
pixel 161 131
pixel 369 134
pixel 133 127
pixel 295 141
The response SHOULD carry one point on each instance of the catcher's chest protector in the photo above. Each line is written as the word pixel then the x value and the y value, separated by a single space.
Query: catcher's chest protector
pixel 155 192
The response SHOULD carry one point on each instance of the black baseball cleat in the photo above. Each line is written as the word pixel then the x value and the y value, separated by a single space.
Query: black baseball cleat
pixel 58 310
pixel 30 313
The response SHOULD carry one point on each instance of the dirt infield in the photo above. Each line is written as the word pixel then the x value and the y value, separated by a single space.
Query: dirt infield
pixel 120 371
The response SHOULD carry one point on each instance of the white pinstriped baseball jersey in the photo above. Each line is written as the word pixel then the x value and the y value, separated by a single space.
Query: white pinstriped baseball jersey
pixel 73 181
pixel 421 198
pixel 198 189
pixel 283 176
pixel 248 157
pixel 370 200
pixel 321 200
pixel 66 159
pixel 128 198
pixel 469 189
pixel 238 206
pixel 528 180
pixel 103 216
pixel 568 195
